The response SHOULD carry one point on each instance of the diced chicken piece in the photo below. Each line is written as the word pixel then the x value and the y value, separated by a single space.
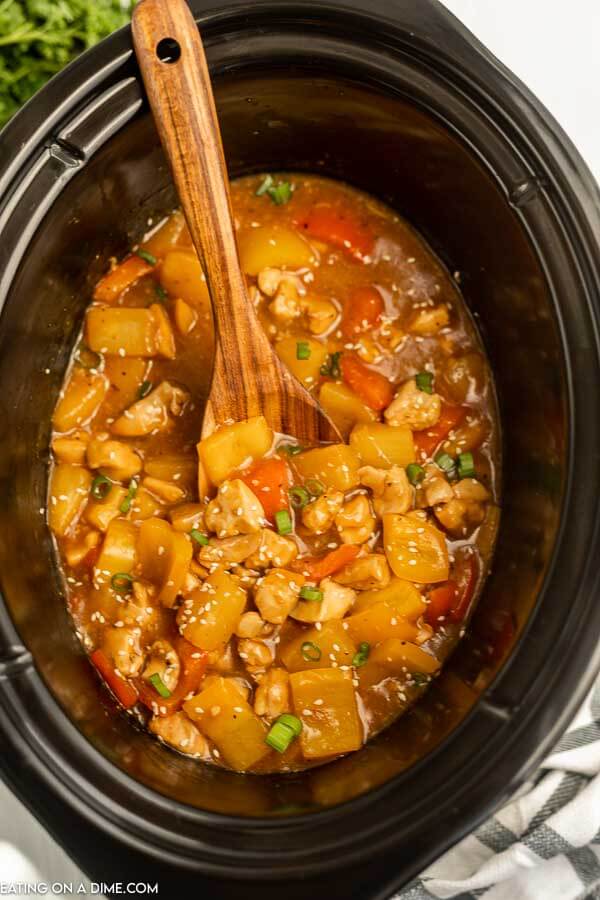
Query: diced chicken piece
pixel 179 732
pixel 152 413
pixel 122 647
pixel 413 407
pixel 71 449
pixel 235 510
pixel 428 321
pixel 392 491
pixel 163 661
pixel 355 522
pixel 115 458
pixel 465 509
pixel 140 610
pixel 366 573
pixel 252 626
pixel 273 549
pixel 336 602
pixel 247 578
pixel 272 697
pixel 230 550
pixel 277 594
pixel 459 516
pixel 471 490
pixel 256 655
pixel 285 288
pixel 222 660
pixel 321 314
pixel 165 490
pixel 319 515
pixel 436 487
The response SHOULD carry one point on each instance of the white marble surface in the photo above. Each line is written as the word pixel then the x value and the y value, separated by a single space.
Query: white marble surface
pixel 553 47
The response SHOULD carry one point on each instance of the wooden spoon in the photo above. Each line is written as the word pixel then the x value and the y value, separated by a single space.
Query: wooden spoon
pixel 248 378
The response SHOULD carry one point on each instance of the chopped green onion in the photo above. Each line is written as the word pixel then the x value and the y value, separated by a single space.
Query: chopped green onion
pixel 160 292
pixel 415 473
pixel 311 593
pixel 302 350
pixel 279 193
pixel 121 582
pixel 290 449
pixel 159 686
pixel 310 652
pixel 131 492
pixel 101 486
pixel 265 185
pixel 314 487
pixel 292 722
pixel 283 731
pixel 445 462
pixel 145 388
pixel 466 465
pixel 200 538
pixel 360 658
pixel 331 366
pixel 147 257
pixel 299 497
pixel 420 679
pixel 283 521
pixel 424 381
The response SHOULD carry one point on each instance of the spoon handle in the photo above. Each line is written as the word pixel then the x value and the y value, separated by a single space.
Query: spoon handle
pixel 175 73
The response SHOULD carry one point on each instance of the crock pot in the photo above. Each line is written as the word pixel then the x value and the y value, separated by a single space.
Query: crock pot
pixel 395 97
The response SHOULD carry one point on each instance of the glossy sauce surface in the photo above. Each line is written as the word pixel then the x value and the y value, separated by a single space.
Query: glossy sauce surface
pixel 211 619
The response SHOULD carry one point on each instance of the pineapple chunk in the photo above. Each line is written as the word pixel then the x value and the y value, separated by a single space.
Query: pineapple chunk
pixel 415 550
pixel 210 614
pixel 231 446
pixel 223 715
pixel 336 466
pixel 325 702
pixel 164 556
pixel 331 645
pixel 383 446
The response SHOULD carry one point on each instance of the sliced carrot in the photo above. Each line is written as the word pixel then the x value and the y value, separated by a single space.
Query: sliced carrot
pixel 362 311
pixel 318 567
pixel 125 693
pixel 193 666
pixel 441 601
pixel 372 387
pixel 269 479
pixel 121 277
pixel 338 227
pixel 427 441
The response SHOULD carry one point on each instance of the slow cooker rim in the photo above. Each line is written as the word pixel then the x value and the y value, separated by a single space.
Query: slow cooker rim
pixel 236 821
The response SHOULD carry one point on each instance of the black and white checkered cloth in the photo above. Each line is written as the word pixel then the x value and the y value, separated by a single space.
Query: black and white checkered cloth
pixel 545 844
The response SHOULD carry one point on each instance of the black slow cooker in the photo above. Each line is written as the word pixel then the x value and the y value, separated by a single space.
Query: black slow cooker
pixel 395 97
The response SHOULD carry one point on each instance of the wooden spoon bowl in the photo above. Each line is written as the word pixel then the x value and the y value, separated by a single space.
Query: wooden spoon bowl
pixel 248 378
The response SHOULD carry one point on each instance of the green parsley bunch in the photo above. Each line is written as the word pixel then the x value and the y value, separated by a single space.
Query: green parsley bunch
pixel 39 37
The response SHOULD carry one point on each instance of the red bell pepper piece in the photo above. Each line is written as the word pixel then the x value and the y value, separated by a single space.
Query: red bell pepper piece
pixel 450 602
pixel 362 311
pixel 441 601
pixel 125 693
pixel 110 288
pixel 426 441
pixel 317 568
pixel 338 227
pixel 372 387
pixel 269 479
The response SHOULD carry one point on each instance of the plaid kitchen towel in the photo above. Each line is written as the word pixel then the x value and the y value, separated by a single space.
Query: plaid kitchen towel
pixel 545 844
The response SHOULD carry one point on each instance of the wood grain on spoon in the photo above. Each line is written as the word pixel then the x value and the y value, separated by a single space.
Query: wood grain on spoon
pixel 248 378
